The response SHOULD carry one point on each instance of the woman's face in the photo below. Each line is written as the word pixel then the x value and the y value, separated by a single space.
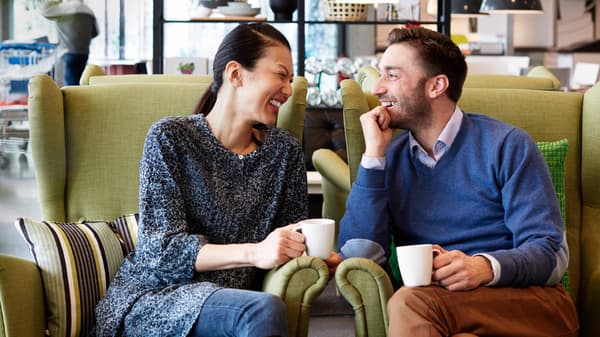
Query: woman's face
pixel 265 88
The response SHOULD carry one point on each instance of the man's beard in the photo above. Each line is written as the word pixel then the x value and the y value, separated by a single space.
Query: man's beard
pixel 416 110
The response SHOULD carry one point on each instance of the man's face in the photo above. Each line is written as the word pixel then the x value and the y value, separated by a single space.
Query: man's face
pixel 401 88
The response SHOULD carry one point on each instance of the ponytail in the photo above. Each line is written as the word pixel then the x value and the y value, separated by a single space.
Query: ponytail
pixel 207 101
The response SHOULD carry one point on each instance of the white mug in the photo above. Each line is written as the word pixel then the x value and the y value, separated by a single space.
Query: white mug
pixel 416 264
pixel 319 235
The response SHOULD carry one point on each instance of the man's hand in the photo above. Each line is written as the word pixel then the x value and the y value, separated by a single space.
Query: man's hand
pixel 332 262
pixel 454 270
pixel 375 125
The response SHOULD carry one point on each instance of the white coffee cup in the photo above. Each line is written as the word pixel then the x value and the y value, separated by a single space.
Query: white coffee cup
pixel 416 264
pixel 319 236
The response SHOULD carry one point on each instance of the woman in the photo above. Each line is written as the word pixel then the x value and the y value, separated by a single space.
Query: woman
pixel 219 194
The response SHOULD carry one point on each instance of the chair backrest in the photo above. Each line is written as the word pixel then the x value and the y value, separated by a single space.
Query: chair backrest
pixel 87 140
pixel 291 115
pixel 94 74
pixel 537 78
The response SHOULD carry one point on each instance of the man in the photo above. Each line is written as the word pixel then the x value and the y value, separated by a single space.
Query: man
pixel 476 187
pixel 77 27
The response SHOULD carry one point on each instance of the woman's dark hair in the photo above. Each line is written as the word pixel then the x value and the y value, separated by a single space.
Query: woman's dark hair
pixel 437 53
pixel 245 44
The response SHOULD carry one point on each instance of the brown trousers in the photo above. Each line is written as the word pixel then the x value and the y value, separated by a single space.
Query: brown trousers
pixel 433 311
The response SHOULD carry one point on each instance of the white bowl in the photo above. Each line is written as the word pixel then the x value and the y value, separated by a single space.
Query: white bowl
pixel 200 12
pixel 238 4
pixel 239 11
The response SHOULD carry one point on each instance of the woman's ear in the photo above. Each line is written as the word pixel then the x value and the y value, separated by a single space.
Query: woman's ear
pixel 233 73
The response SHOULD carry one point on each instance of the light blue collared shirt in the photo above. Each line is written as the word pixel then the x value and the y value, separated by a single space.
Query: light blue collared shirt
pixel 442 144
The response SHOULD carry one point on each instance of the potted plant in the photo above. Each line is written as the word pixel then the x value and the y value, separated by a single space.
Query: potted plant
pixel 186 68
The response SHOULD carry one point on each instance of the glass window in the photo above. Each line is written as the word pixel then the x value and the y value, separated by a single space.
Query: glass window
pixel 119 38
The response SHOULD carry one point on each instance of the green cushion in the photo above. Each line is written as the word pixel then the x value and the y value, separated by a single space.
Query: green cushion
pixel 555 154
pixel 76 262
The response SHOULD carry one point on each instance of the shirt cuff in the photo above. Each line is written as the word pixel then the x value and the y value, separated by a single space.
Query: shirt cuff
pixel 496 270
pixel 377 163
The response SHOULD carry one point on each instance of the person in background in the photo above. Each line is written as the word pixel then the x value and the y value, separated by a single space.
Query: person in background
pixel 220 194
pixel 476 187
pixel 77 26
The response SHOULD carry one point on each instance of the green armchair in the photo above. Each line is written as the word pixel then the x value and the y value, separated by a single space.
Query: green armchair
pixel 546 115
pixel 86 144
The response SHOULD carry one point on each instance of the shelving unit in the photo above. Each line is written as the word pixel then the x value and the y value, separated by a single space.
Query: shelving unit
pixel 442 22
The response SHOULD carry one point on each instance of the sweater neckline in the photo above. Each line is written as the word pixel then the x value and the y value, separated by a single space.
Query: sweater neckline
pixel 226 151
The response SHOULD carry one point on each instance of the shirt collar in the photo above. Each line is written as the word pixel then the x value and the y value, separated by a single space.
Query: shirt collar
pixel 447 135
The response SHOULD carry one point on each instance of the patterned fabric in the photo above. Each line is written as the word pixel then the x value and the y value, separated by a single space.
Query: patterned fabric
pixel 194 191
pixel 126 228
pixel 77 262
pixel 555 154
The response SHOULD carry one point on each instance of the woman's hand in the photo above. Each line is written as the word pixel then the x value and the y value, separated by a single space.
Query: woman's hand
pixel 280 246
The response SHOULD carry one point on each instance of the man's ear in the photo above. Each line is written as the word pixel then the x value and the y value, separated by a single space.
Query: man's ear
pixel 437 85
pixel 233 73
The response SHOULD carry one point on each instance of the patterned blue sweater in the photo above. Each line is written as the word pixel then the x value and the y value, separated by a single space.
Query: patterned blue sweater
pixel 490 193
pixel 194 191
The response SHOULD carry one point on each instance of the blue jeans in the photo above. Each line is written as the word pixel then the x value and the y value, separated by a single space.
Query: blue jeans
pixel 74 66
pixel 241 313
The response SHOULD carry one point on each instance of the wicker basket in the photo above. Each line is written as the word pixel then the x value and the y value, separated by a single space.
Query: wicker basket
pixel 337 11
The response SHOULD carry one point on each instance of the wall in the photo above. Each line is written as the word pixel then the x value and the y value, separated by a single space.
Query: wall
pixel 4 19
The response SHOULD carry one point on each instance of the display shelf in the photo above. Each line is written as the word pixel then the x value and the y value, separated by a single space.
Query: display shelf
pixel 442 23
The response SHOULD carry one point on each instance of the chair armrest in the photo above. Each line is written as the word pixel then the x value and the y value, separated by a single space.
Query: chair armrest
pixel 367 287
pixel 298 283
pixel 21 298
pixel 332 168
pixel 590 306
pixel 335 184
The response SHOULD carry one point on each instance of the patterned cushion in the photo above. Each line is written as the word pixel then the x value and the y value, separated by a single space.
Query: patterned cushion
pixel 126 228
pixel 555 154
pixel 77 262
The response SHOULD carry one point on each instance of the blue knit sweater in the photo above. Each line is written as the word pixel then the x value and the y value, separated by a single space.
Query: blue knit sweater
pixel 490 193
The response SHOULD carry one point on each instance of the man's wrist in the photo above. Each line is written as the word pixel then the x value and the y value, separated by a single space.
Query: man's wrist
pixel 494 266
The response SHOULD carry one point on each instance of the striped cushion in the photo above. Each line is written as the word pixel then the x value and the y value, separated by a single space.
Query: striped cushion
pixel 126 228
pixel 77 262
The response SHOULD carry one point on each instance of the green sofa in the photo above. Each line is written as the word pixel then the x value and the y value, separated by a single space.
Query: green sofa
pixel 86 144
pixel 547 116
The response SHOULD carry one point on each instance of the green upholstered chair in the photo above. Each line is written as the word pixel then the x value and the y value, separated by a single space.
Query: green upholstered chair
pixel 86 144
pixel 546 116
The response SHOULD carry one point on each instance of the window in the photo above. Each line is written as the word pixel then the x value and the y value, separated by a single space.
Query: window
pixel 119 39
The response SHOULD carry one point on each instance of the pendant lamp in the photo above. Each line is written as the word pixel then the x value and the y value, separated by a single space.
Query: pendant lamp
pixel 512 6
pixel 466 8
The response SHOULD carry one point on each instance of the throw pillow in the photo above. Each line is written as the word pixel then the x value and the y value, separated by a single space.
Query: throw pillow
pixel 77 262
pixel 126 227
pixel 555 154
